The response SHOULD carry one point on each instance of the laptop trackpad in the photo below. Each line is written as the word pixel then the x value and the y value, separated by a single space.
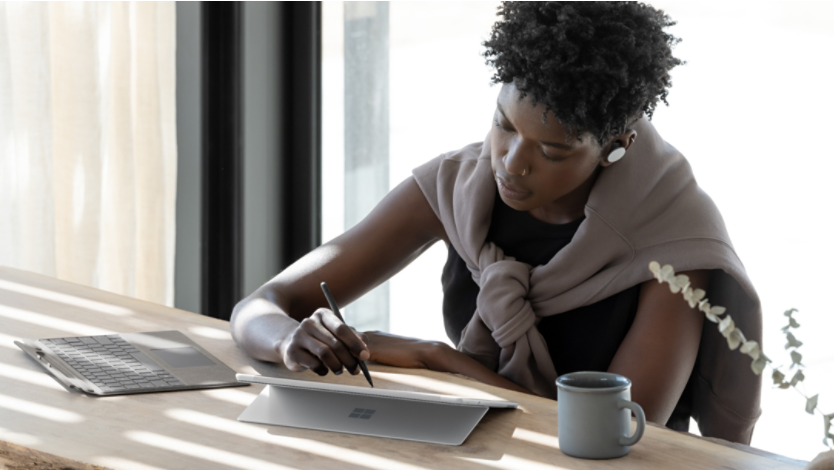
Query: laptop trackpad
pixel 183 357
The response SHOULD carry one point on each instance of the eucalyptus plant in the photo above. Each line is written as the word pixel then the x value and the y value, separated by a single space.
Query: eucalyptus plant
pixel 735 340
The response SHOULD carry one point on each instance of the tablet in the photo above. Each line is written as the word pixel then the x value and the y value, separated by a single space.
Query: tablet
pixel 374 392
pixel 397 414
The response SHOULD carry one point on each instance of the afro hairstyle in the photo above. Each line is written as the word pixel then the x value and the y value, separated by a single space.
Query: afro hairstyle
pixel 598 66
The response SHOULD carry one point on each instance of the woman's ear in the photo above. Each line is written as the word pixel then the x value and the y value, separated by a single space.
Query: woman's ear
pixel 616 150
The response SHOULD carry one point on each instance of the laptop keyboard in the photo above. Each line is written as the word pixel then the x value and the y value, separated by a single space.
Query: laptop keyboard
pixel 111 363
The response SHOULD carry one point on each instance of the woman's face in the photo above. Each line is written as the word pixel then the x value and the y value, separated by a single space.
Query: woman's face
pixel 537 166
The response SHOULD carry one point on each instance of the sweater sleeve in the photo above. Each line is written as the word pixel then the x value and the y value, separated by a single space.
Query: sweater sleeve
pixel 426 176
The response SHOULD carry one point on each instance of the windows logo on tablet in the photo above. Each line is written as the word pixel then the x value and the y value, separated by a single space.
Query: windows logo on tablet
pixel 362 413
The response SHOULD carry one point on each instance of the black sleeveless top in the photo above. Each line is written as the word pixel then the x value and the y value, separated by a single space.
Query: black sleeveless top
pixel 583 339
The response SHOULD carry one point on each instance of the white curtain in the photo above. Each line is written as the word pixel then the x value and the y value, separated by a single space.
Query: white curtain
pixel 88 143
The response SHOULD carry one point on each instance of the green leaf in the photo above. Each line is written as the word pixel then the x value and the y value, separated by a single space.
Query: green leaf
pixel 777 376
pixel 790 312
pixel 667 273
pixel 735 338
pixel 797 359
pixel 759 364
pixel 751 348
pixel 693 296
pixel 717 310
pixel 811 404
pixel 705 307
pixel 798 377
pixel 711 311
pixel 726 326
pixel 791 324
pixel 792 341
pixel 827 422
pixel 682 280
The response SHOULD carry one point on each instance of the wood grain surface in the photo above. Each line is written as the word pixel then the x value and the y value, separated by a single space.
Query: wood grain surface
pixel 198 429
pixel 15 457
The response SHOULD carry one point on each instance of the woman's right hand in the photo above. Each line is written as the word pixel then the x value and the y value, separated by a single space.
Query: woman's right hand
pixel 321 343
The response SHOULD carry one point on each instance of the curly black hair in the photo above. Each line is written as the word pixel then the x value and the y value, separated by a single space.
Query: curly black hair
pixel 598 66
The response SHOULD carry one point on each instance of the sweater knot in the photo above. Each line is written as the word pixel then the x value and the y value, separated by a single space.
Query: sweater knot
pixel 502 302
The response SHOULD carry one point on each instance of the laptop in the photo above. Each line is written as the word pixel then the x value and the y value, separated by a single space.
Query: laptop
pixel 397 414
pixel 128 363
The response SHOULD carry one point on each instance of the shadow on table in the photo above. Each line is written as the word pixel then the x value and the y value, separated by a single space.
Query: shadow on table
pixel 485 443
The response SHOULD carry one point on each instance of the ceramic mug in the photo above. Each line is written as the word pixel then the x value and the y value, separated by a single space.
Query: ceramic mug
pixel 595 415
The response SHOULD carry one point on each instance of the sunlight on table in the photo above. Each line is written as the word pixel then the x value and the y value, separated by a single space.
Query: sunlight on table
pixel 19 438
pixel 210 454
pixel 64 298
pixel 34 377
pixel 39 411
pixel 349 456
pixel 210 333
pixel 536 437
pixel 7 341
pixel 58 324
pixel 231 395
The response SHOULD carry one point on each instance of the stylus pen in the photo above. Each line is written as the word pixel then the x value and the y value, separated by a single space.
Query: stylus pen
pixel 335 308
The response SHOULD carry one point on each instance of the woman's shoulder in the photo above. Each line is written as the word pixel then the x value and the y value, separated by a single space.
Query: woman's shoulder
pixel 442 177
pixel 450 161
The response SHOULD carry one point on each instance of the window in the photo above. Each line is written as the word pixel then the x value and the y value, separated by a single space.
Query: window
pixel 424 89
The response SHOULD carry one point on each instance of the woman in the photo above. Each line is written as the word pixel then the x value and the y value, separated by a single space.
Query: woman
pixel 550 225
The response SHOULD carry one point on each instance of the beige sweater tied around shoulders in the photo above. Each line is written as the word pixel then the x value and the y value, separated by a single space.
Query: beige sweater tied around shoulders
pixel 646 207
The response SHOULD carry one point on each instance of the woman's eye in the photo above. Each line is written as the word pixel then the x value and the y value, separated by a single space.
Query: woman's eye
pixel 498 125
pixel 552 158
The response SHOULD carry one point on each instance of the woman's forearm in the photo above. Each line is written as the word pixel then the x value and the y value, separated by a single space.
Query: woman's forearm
pixel 260 327
pixel 400 351
pixel 446 359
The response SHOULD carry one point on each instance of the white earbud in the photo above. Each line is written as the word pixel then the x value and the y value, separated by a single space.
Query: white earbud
pixel 617 152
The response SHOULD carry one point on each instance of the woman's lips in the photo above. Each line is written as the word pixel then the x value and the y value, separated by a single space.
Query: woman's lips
pixel 511 192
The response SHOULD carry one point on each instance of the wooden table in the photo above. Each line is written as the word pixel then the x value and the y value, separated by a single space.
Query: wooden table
pixel 198 429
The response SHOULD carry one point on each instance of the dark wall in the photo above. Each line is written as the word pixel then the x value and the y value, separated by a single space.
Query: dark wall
pixel 257 148
pixel 222 157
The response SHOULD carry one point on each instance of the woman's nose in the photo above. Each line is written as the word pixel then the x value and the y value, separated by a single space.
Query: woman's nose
pixel 515 161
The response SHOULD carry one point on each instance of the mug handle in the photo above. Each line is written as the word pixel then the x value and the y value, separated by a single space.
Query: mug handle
pixel 641 422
